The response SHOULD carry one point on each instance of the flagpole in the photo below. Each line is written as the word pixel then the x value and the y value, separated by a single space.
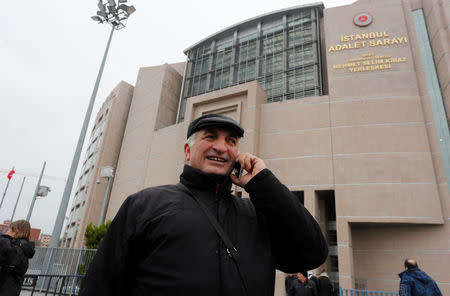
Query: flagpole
pixel 17 201
pixel 4 193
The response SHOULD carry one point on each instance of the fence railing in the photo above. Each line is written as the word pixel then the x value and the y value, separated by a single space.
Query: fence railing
pixel 355 292
pixel 59 261
pixel 67 285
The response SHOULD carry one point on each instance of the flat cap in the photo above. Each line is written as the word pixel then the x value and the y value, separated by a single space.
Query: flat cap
pixel 214 120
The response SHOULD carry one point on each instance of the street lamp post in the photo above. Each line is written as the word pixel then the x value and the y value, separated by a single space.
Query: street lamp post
pixel 35 195
pixel 108 173
pixel 116 15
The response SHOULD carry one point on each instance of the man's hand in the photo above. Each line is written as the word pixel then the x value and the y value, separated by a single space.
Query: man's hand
pixel 251 164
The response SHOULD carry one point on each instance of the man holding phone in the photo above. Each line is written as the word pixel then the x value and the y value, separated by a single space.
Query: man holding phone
pixel 163 240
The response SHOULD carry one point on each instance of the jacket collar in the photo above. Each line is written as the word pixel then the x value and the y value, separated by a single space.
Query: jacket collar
pixel 195 178
pixel 410 270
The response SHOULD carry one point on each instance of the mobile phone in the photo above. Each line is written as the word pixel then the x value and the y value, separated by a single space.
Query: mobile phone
pixel 237 170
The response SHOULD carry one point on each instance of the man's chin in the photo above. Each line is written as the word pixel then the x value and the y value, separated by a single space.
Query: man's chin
pixel 217 171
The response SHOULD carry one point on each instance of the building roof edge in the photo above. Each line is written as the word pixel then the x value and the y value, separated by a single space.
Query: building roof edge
pixel 253 19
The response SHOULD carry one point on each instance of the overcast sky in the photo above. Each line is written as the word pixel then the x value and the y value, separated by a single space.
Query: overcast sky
pixel 50 53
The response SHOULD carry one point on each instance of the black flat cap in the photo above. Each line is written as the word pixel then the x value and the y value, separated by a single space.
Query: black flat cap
pixel 214 120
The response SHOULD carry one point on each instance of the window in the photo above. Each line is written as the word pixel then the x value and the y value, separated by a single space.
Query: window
pixel 281 51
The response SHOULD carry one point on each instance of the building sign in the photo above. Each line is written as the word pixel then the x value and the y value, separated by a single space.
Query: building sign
pixel 367 40
pixel 362 19
pixel 370 62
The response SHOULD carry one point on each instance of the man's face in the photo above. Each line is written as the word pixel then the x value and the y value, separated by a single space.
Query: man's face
pixel 214 151
pixel 301 277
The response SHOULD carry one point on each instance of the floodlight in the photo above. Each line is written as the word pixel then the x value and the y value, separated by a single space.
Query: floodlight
pixel 43 191
pixel 106 172
pixel 97 19
pixel 111 9
pixel 102 14
pixel 127 9
pixel 131 9
pixel 101 6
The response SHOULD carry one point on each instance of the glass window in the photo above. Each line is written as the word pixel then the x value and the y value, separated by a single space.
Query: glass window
pixel 300 55
pixel 287 68
pixel 272 42
pixel 299 35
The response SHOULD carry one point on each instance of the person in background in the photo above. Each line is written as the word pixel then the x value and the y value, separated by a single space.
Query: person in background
pixel 415 282
pixel 289 281
pixel 324 284
pixel 15 251
pixel 303 287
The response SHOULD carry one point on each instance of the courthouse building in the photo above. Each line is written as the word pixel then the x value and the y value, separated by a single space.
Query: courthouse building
pixel 348 106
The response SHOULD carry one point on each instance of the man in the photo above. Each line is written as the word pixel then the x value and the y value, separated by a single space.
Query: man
pixel 415 282
pixel 289 282
pixel 162 243
pixel 303 287
pixel 324 284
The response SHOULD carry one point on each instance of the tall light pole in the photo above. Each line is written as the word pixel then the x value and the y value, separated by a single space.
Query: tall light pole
pixel 35 195
pixel 116 15
pixel 108 173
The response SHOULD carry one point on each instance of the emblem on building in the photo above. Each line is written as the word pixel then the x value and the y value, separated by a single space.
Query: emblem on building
pixel 363 19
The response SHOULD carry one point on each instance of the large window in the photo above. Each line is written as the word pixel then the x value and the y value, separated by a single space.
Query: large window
pixel 281 51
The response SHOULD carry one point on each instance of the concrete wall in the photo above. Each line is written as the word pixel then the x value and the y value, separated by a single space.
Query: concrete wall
pixel 118 105
pixel 154 106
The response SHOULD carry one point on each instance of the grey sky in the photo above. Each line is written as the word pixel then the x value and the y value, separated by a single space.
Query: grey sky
pixel 50 53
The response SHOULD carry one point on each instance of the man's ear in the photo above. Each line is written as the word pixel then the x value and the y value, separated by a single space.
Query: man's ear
pixel 187 152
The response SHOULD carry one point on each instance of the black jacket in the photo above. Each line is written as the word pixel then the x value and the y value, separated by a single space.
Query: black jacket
pixel 161 243
pixel 14 255
pixel 324 285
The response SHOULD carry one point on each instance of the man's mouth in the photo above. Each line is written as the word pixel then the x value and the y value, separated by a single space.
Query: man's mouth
pixel 215 158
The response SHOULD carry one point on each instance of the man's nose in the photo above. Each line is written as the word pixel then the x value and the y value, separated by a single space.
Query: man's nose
pixel 220 145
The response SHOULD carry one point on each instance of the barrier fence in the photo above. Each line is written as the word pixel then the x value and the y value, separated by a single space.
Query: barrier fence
pixel 67 285
pixel 59 271
pixel 355 292
pixel 60 261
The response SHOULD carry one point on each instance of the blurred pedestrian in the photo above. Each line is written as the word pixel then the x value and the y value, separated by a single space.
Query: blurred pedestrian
pixel 289 282
pixel 15 250
pixel 303 287
pixel 415 282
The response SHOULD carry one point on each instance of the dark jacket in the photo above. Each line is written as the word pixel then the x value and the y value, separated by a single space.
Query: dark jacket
pixel 14 255
pixel 415 282
pixel 308 288
pixel 161 242
pixel 289 281
pixel 324 285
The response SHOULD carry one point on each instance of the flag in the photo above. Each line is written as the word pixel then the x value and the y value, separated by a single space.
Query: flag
pixel 11 173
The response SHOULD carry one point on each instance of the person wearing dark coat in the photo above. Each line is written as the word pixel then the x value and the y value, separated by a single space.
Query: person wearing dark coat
pixel 289 281
pixel 15 251
pixel 162 243
pixel 324 284
pixel 415 282
pixel 303 287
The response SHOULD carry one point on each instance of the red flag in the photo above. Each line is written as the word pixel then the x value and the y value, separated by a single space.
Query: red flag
pixel 11 173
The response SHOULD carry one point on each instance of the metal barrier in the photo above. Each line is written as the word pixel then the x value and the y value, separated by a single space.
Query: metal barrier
pixel 67 285
pixel 59 261
pixel 355 292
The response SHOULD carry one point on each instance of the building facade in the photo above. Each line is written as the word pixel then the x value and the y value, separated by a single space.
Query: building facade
pixel 103 151
pixel 348 106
